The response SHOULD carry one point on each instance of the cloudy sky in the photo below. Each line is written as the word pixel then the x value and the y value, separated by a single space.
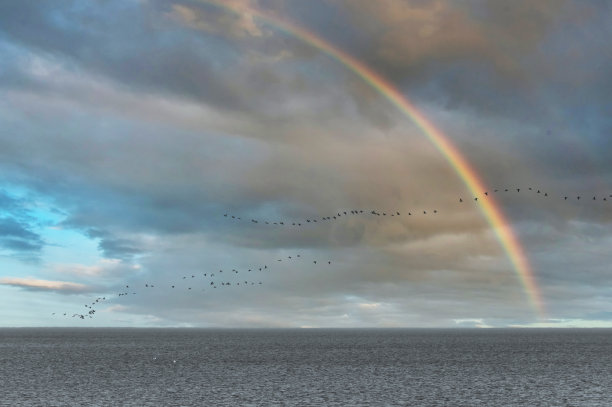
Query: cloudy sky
pixel 129 128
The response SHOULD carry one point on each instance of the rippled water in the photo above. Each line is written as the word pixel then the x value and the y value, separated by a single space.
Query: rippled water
pixel 176 367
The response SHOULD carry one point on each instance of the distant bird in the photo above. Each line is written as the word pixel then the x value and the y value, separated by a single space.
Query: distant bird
pixel 460 200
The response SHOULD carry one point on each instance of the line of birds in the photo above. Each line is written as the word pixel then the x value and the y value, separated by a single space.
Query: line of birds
pixel 336 216
pixel 131 289
pixel 543 193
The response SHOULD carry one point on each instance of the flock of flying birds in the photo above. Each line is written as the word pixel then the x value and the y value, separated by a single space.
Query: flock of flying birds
pixel 194 282
pixel 213 280
pixel 545 194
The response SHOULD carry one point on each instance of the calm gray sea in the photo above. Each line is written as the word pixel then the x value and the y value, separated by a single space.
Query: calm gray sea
pixel 193 367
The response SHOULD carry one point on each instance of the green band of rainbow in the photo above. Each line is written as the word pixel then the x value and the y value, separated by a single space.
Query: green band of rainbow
pixel 491 210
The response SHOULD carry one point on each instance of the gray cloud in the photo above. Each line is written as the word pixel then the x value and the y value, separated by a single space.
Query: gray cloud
pixel 155 59
pixel 144 135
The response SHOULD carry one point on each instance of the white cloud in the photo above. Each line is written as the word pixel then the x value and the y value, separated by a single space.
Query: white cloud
pixel 35 284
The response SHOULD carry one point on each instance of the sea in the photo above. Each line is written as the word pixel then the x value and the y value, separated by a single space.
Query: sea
pixel 305 367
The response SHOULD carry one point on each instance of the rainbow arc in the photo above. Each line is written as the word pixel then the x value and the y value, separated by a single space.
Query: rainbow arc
pixel 489 207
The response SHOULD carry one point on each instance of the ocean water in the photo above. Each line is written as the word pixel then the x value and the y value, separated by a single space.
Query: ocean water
pixel 193 367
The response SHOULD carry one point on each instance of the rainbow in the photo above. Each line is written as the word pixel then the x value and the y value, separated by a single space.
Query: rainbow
pixel 490 209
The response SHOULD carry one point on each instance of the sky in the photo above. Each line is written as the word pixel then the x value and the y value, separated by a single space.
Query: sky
pixel 128 129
